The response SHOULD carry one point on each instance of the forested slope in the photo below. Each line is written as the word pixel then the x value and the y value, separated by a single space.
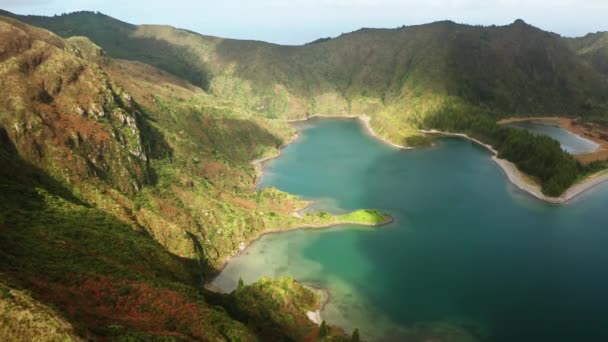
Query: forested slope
pixel 593 48
pixel 117 206
pixel 126 150
pixel 506 70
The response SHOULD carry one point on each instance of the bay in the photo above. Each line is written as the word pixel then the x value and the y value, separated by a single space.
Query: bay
pixel 468 257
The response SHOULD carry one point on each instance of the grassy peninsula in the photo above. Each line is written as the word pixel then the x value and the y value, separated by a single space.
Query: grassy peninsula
pixel 126 152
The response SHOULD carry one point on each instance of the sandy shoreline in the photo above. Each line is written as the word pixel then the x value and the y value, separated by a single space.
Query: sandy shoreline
pixel 515 176
pixel 524 182
pixel 323 295
pixel 518 178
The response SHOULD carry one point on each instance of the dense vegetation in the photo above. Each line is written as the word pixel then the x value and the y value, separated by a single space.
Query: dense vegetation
pixel 537 156
pixel 513 69
pixel 593 48
pixel 403 78
pixel 126 179
pixel 123 189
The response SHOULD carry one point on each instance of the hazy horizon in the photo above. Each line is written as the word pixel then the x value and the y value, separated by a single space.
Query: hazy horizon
pixel 298 22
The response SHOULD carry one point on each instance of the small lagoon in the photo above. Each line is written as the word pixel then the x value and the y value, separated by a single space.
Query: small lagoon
pixel 570 142
pixel 469 256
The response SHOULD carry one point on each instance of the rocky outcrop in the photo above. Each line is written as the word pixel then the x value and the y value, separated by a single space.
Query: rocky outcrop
pixel 63 112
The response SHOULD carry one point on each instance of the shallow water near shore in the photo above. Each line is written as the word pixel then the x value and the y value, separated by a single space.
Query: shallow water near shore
pixel 468 257
pixel 570 142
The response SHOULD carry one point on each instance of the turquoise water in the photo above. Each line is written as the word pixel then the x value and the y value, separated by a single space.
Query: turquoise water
pixel 570 142
pixel 468 257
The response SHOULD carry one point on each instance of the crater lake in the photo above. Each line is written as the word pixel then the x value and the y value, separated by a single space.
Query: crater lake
pixel 469 256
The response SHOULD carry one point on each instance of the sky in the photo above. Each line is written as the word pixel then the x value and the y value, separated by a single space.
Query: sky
pixel 300 21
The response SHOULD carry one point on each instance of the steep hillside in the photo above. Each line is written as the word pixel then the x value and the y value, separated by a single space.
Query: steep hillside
pixel 594 49
pixel 24 318
pixel 116 206
pixel 408 78
pixel 65 114
pixel 126 151
pixel 514 69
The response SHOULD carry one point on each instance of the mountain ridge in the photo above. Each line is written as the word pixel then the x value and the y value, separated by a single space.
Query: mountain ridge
pixel 129 151
pixel 293 80
pixel 109 204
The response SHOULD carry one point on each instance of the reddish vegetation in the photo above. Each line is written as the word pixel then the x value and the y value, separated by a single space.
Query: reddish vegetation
pixel 169 211
pixel 166 209
pixel 285 208
pixel 88 129
pixel 50 93
pixel 103 301
pixel 240 201
pixel 212 169
pixel 199 132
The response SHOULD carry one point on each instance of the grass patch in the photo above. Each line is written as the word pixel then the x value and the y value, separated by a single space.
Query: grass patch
pixel 366 216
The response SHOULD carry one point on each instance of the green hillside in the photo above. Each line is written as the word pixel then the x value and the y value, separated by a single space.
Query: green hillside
pixel 127 179
pixel 125 187
pixel 508 70
pixel 593 48
pixel 406 78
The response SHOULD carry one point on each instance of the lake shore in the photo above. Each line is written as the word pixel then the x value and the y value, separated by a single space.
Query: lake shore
pixel 515 176
pixel 258 164
pixel 587 131
pixel 244 245
pixel 323 295
pixel 364 120
pixel 525 182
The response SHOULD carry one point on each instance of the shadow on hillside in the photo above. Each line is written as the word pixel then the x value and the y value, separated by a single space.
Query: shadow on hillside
pixel 265 64
pixel 219 137
pixel 19 178
pixel 154 143
pixel 121 40
pixel 177 60
pixel 43 237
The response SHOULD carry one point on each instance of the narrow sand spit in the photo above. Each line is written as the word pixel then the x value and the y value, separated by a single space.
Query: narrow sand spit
pixel 520 179
pixel 517 177
pixel 524 182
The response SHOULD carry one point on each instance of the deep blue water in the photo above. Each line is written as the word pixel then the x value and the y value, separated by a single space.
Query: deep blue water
pixel 469 256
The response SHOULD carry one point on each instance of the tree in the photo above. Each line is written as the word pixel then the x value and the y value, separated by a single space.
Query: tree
pixel 355 337
pixel 323 330
pixel 241 283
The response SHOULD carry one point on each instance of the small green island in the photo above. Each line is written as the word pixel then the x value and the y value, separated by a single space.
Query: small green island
pixel 363 217
pixel 133 179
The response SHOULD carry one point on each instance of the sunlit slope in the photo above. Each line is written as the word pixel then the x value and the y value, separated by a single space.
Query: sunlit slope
pixel 122 190
pixel 514 69
pixel 594 49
